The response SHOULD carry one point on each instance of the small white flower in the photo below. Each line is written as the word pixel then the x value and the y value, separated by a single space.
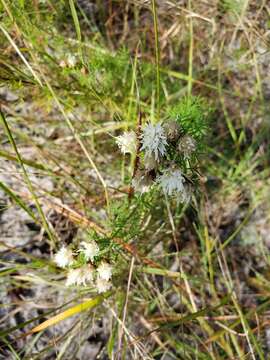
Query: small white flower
pixel 104 271
pixel 62 64
pixel 89 249
pixel 71 60
pixel 63 257
pixel 103 285
pixel 127 142
pixel 172 182
pixel 154 140
pixel 80 276
pixel 86 275
pixel 72 277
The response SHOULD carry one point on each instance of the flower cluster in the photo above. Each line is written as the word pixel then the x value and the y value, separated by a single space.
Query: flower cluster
pixel 165 152
pixel 82 267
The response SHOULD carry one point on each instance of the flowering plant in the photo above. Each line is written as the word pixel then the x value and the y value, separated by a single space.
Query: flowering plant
pixel 168 151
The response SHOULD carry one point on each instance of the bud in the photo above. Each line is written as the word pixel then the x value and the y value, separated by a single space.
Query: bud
pixel 71 61
pixel 172 130
pixel 150 163
pixel 142 181
pixel 63 64
pixel 186 146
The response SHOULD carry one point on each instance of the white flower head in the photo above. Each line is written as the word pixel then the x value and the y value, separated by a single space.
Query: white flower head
pixel 104 271
pixel 127 142
pixel 63 257
pixel 172 182
pixel 80 276
pixel 103 285
pixel 154 140
pixel 89 249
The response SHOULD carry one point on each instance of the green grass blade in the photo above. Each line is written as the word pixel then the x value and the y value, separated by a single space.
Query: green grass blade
pixel 18 201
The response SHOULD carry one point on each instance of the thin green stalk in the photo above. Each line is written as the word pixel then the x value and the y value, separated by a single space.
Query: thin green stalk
pixel 157 51
pixel 223 105
pixel 18 201
pixel 77 26
pixel 21 55
pixel 190 56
